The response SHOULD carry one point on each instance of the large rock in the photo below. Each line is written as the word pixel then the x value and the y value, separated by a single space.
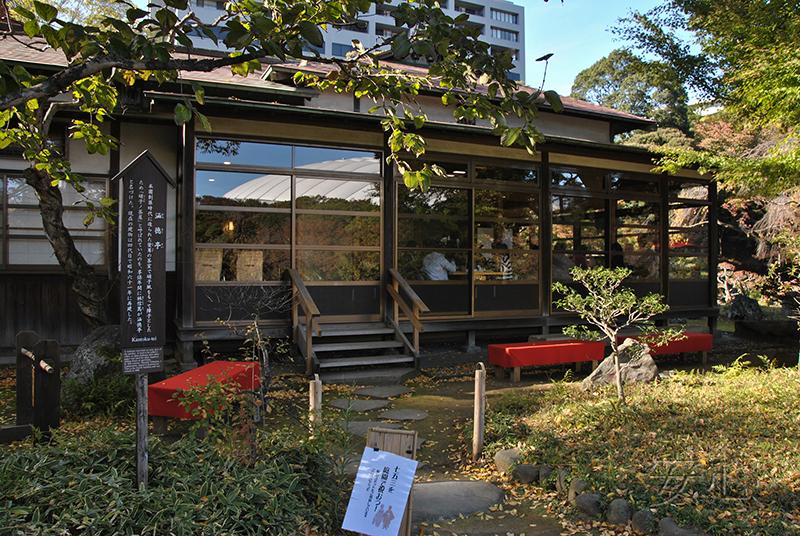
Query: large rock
pixel 619 512
pixel 744 308
pixel 668 527
pixel 92 355
pixel 576 487
pixel 636 365
pixel 436 501
pixel 589 504
pixel 525 473
pixel 506 458
pixel 644 521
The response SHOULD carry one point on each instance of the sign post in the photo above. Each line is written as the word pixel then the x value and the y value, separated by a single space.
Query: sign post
pixel 143 263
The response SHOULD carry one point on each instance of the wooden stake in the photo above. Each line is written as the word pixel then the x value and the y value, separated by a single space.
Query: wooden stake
pixel 315 399
pixel 480 412
pixel 141 430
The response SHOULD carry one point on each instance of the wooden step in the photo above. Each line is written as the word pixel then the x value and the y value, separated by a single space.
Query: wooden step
pixel 355 331
pixel 366 361
pixel 356 345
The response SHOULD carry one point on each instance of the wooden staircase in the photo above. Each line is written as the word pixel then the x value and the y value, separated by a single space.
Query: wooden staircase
pixel 349 345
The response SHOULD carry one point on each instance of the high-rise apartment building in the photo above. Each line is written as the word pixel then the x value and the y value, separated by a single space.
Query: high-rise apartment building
pixel 502 26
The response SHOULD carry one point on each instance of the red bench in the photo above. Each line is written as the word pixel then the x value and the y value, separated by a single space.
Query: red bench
pixel 160 401
pixel 692 342
pixel 526 354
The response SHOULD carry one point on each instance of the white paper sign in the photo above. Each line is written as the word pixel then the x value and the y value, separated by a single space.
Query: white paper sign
pixel 380 493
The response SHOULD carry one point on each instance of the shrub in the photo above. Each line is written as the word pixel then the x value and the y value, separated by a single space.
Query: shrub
pixel 109 393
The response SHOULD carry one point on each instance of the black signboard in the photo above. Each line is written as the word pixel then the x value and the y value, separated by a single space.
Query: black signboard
pixel 143 261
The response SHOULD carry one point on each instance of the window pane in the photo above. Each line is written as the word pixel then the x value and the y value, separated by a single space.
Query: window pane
pixel 623 182
pixel 333 194
pixel 339 265
pixel 528 176
pixel 511 205
pixel 688 267
pixel 644 266
pixel 575 178
pixel 350 161
pixel 694 240
pixel 684 215
pixel 442 222
pixel 20 193
pixel 324 230
pixel 637 240
pixel 564 262
pixel 506 266
pixel 578 223
pixel 436 201
pixel 637 213
pixel 433 233
pixel 414 267
pixel 223 188
pixel 32 218
pixel 688 190
pixel 219 264
pixel 509 236
pixel 40 252
pixel 230 227
pixel 248 153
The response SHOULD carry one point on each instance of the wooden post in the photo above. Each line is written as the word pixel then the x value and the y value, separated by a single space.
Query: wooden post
pixel 403 443
pixel 480 412
pixel 315 399
pixel 25 387
pixel 141 431
pixel 47 385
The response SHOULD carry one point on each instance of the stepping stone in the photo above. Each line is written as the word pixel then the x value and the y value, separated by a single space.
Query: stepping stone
pixel 403 415
pixel 436 501
pixel 359 406
pixel 383 391
pixel 359 428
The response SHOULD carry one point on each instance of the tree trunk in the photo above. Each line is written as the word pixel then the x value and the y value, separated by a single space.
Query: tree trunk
pixel 84 282
pixel 618 376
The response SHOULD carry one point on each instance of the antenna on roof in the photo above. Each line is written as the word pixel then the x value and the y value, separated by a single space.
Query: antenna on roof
pixel 544 58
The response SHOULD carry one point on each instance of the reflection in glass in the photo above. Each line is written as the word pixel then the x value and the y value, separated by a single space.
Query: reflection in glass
pixel 345 160
pixel 688 190
pixel 527 176
pixel 30 251
pixel 511 205
pixel 638 240
pixel 433 233
pixel 642 184
pixel 452 170
pixel 578 178
pixel 330 230
pixel 507 266
pixel 217 264
pixel 338 265
pixel 441 218
pixel 435 201
pixel 637 212
pixel 688 267
pixel 564 262
pixel 643 266
pixel 694 240
pixel 333 194
pixel 578 223
pixel 507 235
pixel 19 193
pixel 243 153
pixel 230 227
pixel 686 215
pixel 227 188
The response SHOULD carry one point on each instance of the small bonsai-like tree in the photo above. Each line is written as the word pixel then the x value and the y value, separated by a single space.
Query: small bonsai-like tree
pixel 610 308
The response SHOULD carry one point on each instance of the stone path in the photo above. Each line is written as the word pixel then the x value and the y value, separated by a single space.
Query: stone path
pixel 433 501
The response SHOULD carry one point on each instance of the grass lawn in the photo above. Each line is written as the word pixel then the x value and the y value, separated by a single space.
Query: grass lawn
pixel 719 451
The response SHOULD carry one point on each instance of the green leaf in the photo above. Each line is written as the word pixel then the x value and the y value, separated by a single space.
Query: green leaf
pixel 88 220
pixel 199 92
pixel 401 46
pixel 31 28
pixel 508 137
pixel 180 4
pixel 183 114
pixel 204 121
pixel 554 100
pixel 419 121
pixel 24 13
pixel 47 12
pixel 311 33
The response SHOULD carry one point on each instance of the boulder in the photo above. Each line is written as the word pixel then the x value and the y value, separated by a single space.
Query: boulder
pixel 545 471
pixel 644 521
pixel 589 504
pixel 636 365
pixel 744 308
pixel 619 512
pixel 668 527
pixel 506 459
pixel 92 355
pixel 562 479
pixel 576 487
pixel 525 473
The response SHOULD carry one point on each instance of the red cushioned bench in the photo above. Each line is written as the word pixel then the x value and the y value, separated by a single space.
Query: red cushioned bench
pixel 692 342
pixel 526 354
pixel 160 401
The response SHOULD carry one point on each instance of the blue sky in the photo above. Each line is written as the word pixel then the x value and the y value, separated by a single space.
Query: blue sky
pixel 575 31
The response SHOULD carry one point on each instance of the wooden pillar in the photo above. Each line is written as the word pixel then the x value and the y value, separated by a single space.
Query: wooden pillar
pixel 403 443
pixel 480 412
pixel 315 399
pixel 47 386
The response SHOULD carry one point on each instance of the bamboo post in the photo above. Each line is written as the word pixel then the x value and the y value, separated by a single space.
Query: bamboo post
pixel 141 431
pixel 403 443
pixel 47 385
pixel 480 412
pixel 315 399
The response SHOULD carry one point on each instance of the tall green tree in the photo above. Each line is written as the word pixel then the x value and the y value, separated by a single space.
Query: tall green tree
pixel 743 55
pixel 625 82
pixel 124 50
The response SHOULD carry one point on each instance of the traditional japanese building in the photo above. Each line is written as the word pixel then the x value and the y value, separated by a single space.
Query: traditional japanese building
pixel 291 189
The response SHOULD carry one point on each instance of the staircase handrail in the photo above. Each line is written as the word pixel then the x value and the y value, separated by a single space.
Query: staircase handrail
pixel 301 297
pixel 397 282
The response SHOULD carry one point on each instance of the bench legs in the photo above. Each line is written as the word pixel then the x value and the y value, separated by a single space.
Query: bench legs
pixel 500 373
